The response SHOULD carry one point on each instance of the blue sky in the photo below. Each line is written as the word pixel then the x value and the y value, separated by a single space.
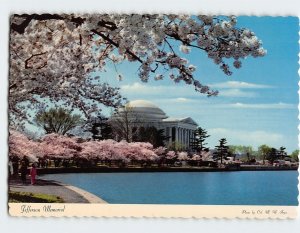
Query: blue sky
pixel 256 105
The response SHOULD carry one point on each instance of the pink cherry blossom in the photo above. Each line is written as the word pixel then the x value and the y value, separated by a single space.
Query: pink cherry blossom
pixel 54 145
pixel 182 156
pixel 21 146
pixel 196 157
pixel 171 155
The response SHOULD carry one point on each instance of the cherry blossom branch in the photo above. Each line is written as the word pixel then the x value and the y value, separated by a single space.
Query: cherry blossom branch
pixel 117 45
pixel 32 56
pixel 20 28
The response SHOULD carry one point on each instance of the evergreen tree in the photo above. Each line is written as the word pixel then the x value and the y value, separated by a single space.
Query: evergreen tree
pixel 281 153
pixel 222 150
pixel 198 142
pixel 150 134
pixel 272 155
pixel 99 128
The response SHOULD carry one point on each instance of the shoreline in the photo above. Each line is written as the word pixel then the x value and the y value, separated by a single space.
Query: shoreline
pixel 42 171
pixel 67 192
pixel 91 198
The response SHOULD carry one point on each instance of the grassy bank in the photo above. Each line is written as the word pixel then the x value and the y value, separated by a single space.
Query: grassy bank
pixel 27 197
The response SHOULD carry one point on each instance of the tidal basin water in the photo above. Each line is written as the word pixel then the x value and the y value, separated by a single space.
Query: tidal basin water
pixel 201 188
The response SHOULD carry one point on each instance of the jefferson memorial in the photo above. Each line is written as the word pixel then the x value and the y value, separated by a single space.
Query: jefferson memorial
pixel 142 113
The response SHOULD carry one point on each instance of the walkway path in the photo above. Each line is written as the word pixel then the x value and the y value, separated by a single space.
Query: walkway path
pixel 68 193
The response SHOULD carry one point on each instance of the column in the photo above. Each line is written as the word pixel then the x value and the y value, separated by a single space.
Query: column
pixel 183 137
pixel 180 135
pixel 176 134
pixel 186 138
pixel 189 137
pixel 170 134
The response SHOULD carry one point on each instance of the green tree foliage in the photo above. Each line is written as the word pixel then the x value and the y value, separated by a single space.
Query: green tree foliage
pixel 282 153
pixel 222 150
pixel 245 151
pixel 198 142
pixel 263 151
pixel 58 121
pixel 176 146
pixel 150 134
pixel 295 155
pixel 99 128
pixel 272 155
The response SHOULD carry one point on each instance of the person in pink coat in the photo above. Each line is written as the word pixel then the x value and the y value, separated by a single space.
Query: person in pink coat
pixel 33 173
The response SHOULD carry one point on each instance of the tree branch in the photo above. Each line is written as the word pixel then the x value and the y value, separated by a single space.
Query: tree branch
pixel 117 45
pixel 20 28
pixel 35 55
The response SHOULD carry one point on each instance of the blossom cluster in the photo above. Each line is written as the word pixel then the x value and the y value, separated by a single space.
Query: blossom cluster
pixel 58 146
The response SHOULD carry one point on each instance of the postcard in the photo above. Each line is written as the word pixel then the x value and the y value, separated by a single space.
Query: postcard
pixel 153 115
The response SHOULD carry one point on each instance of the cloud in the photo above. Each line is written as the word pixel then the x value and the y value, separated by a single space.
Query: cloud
pixel 239 85
pixel 184 91
pixel 186 94
pixel 179 90
pixel 279 105
pixel 161 90
pixel 182 100
pixel 137 87
pixel 245 137
pixel 237 93
pixel 235 89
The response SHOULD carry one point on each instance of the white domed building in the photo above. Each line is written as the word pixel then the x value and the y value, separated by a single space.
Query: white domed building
pixel 142 113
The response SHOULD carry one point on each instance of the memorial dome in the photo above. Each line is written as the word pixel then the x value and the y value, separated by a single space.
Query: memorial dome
pixel 144 109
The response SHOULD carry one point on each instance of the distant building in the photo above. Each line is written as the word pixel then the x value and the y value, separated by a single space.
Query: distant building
pixel 142 113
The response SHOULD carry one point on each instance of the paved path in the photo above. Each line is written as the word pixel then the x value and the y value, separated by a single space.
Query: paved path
pixel 68 193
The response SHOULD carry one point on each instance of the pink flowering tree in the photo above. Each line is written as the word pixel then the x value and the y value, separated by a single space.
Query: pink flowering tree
pixel 140 152
pixel 52 56
pixel 59 146
pixel 170 158
pixel 20 145
pixel 160 151
pixel 195 160
pixel 182 156
pixel 116 151
pixel 122 152
pixel 90 150
pixel 207 156
pixel 196 157
pixel 171 155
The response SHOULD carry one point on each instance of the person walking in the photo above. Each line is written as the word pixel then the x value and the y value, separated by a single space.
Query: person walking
pixel 33 173
pixel 23 172
pixel 10 167
pixel 15 163
pixel 26 160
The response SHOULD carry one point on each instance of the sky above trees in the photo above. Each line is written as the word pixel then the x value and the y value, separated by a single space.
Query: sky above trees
pixel 256 105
